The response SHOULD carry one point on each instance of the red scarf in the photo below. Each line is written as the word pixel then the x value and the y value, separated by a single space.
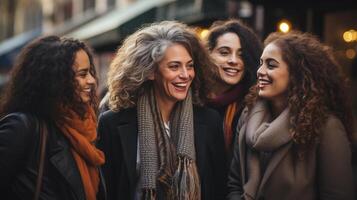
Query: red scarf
pixel 229 99
pixel 82 134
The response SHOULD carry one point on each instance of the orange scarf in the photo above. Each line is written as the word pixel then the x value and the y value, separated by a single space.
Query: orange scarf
pixel 82 134
pixel 227 124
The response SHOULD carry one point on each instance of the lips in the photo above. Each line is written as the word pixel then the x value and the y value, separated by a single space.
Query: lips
pixel 230 71
pixel 181 86
pixel 263 82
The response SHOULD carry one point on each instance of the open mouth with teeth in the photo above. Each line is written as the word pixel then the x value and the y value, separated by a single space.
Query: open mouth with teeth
pixel 87 90
pixel 181 86
pixel 230 71
pixel 264 82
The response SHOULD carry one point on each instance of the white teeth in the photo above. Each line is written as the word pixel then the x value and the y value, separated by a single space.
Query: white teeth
pixel 87 90
pixel 231 70
pixel 181 84
pixel 262 81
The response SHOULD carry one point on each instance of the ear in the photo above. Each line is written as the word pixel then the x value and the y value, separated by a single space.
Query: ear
pixel 151 76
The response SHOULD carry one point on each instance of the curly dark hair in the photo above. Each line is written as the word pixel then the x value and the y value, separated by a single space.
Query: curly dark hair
pixel 43 80
pixel 316 87
pixel 252 47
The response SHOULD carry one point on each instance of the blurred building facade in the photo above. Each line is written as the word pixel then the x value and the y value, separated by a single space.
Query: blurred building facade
pixel 103 24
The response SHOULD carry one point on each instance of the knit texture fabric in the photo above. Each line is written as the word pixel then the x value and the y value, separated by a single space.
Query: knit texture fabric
pixel 167 162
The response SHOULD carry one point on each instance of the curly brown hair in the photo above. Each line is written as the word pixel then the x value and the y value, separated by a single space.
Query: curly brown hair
pixel 43 81
pixel 316 88
pixel 251 46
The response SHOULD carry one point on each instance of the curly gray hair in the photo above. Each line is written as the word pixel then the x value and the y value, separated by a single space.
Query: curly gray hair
pixel 139 56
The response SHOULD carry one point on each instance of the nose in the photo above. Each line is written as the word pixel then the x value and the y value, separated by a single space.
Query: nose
pixel 261 71
pixel 90 79
pixel 184 73
pixel 233 59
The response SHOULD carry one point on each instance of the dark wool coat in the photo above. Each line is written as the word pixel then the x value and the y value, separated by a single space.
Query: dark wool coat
pixel 324 174
pixel 118 139
pixel 19 157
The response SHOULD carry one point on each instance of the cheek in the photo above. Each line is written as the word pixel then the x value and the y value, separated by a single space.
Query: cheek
pixel 218 59
pixel 192 74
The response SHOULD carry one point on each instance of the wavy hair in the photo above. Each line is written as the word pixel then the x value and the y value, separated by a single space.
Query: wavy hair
pixel 316 88
pixel 139 56
pixel 43 80
pixel 251 45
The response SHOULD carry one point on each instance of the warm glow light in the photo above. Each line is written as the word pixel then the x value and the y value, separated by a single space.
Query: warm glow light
pixel 350 36
pixel 350 53
pixel 204 33
pixel 284 26
pixel 347 36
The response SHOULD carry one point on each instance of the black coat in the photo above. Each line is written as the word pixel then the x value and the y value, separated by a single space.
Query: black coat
pixel 118 139
pixel 19 157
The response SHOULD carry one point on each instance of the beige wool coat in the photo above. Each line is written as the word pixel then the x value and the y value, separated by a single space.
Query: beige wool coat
pixel 324 174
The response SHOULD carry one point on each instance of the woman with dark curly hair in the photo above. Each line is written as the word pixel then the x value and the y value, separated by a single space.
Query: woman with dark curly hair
pixel 160 143
pixel 51 94
pixel 235 50
pixel 294 134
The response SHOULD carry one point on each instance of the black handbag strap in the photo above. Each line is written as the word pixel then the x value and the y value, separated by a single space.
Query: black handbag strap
pixel 43 139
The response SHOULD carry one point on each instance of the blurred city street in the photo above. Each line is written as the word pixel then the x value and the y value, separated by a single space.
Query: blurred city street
pixel 103 24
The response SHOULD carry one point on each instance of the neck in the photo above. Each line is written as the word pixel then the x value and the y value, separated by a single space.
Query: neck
pixel 219 88
pixel 277 106
pixel 165 108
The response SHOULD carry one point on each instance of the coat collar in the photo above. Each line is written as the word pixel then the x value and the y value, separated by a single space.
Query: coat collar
pixel 60 156
pixel 255 117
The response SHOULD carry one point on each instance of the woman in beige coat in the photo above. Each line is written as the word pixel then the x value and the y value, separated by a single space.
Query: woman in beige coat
pixel 294 134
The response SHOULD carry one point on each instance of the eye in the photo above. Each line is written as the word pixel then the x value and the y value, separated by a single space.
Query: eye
pixel 239 54
pixel 174 66
pixel 82 74
pixel 224 52
pixel 271 65
pixel 190 65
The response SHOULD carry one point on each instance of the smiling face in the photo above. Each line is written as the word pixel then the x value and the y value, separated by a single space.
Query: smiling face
pixel 86 81
pixel 174 75
pixel 273 74
pixel 227 56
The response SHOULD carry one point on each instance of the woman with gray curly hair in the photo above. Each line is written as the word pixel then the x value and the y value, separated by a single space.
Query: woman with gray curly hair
pixel 159 141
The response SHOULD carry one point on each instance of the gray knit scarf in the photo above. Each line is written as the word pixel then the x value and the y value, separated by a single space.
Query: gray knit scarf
pixel 167 162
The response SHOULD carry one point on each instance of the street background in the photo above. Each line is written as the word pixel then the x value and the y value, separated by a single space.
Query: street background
pixel 103 24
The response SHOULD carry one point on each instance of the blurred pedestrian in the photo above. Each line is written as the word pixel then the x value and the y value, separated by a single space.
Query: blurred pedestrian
pixel 235 49
pixel 160 143
pixel 48 128
pixel 294 136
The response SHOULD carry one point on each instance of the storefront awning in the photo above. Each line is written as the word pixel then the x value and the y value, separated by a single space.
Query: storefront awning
pixel 115 18
pixel 11 47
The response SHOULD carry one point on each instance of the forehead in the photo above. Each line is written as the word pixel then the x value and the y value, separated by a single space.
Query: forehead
pixel 228 39
pixel 272 51
pixel 81 60
pixel 176 51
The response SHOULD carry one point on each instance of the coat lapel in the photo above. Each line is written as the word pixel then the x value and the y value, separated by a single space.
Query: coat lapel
pixel 200 131
pixel 275 133
pixel 273 163
pixel 242 152
pixel 129 138
pixel 62 159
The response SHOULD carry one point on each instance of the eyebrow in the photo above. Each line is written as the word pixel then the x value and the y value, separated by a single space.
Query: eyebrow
pixel 83 69
pixel 271 59
pixel 178 62
pixel 227 47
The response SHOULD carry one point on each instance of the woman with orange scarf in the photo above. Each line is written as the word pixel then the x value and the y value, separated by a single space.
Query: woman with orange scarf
pixel 52 95
pixel 235 50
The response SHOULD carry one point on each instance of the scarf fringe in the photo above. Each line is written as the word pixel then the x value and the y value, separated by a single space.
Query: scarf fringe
pixel 185 180
pixel 148 194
